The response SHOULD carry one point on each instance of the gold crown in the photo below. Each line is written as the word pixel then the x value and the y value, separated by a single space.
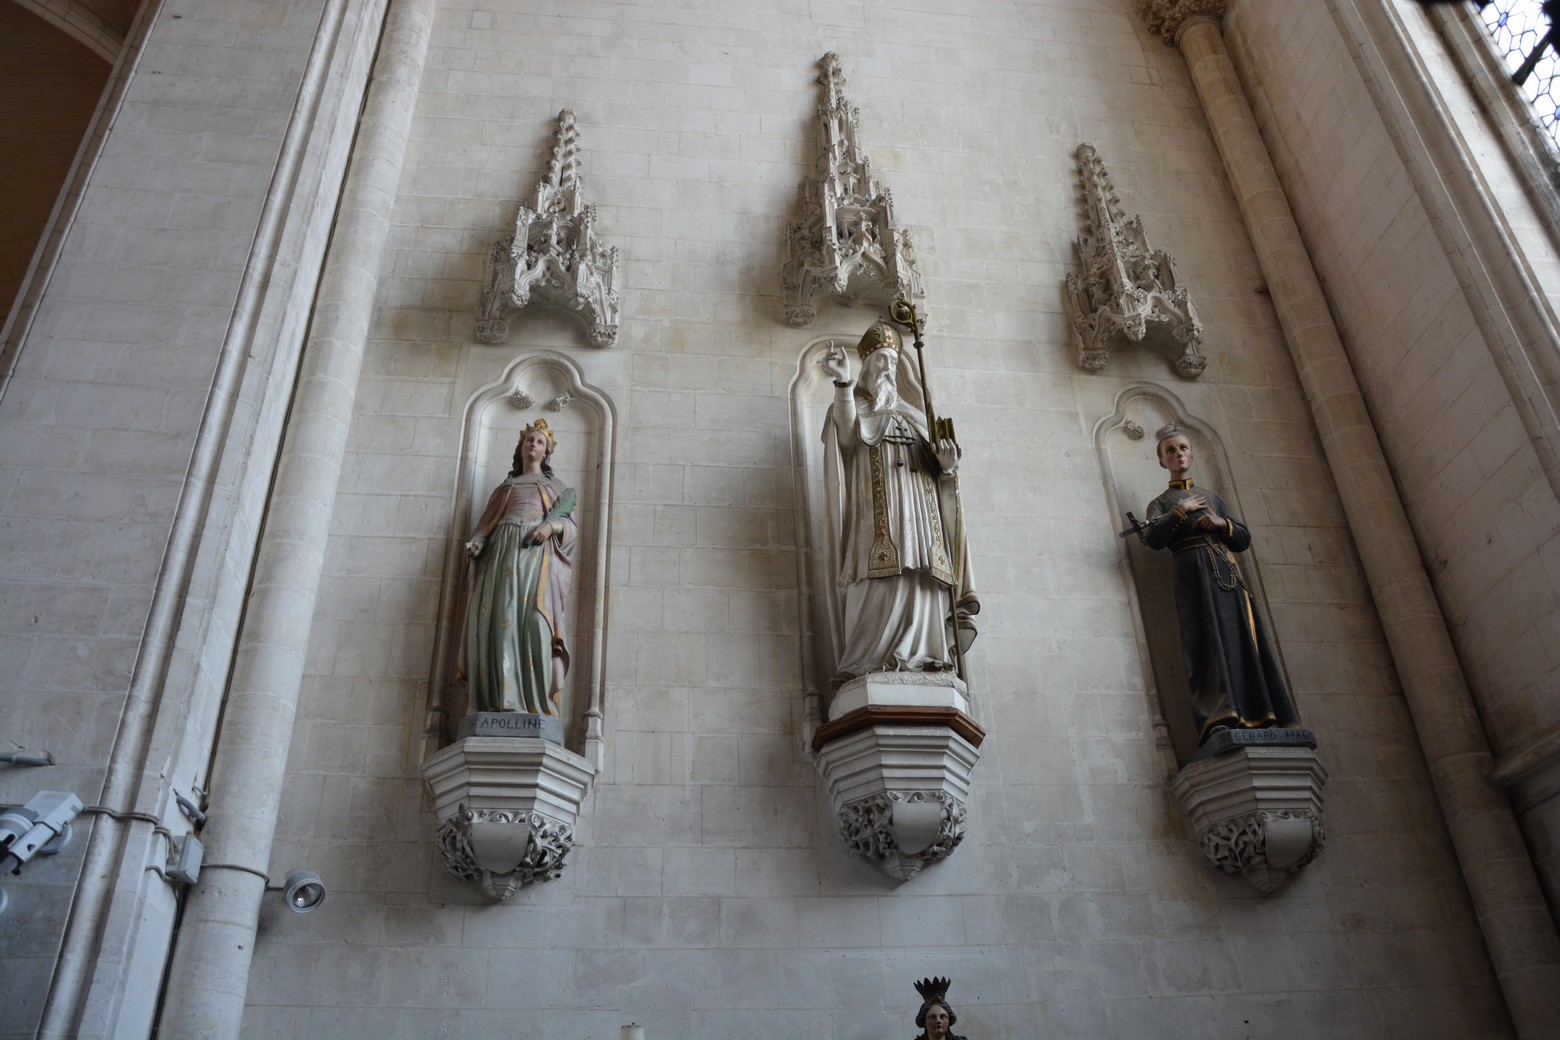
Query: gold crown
pixel 540 426
pixel 881 334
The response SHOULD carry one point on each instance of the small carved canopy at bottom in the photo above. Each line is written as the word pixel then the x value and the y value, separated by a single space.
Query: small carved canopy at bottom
pixel 1191 364
pixel 898 775
pixel 1264 847
pixel 506 808
pixel 543 845
pixel 1256 811
pixel 492 330
pixel 903 831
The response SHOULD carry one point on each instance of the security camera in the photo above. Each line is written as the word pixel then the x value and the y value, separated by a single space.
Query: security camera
pixel 39 828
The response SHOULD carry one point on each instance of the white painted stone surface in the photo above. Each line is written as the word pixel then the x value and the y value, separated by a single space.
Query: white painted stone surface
pixel 1428 355
pixel 708 895
pixel 113 377
pixel 908 689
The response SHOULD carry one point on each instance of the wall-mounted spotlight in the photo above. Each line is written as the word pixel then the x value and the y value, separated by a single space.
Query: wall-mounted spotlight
pixel 304 891
pixel 39 828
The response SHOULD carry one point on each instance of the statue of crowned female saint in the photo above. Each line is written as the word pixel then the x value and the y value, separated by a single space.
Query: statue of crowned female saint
pixel 1233 678
pixel 515 656
pixel 936 1016
pixel 897 539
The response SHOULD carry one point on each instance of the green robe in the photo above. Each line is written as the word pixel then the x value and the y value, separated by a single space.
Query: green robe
pixel 516 654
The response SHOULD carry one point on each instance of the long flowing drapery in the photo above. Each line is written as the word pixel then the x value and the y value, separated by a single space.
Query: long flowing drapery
pixel 516 654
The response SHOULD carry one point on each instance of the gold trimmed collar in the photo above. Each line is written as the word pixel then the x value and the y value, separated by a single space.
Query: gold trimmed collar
pixel 1184 485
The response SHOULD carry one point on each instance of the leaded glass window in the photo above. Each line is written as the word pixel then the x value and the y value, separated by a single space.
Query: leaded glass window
pixel 1525 36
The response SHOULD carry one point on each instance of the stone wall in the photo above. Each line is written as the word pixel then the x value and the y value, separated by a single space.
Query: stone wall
pixel 139 431
pixel 710 895
pixel 1428 333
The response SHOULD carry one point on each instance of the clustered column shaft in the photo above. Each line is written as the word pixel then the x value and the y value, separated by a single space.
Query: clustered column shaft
pixel 209 976
pixel 1510 905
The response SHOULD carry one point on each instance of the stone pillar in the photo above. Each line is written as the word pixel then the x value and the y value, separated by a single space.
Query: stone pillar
pixel 1515 919
pixel 210 971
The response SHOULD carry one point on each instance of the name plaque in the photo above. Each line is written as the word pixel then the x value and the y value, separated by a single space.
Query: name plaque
pixel 1226 740
pixel 510 724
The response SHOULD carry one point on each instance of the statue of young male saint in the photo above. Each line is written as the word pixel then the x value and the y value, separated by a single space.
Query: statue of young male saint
pixel 936 1017
pixel 898 540
pixel 514 654
pixel 1233 678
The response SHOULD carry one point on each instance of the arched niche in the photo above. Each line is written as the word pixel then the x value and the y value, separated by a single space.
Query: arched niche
pixel 549 386
pixel 1125 443
pixel 811 394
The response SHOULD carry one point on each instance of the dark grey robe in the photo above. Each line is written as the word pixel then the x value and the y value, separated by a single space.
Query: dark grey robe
pixel 1232 675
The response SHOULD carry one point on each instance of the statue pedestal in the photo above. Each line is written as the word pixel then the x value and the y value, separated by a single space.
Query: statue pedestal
pixel 899 774
pixel 510 724
pixel 900 690
pixel 1256 809
pixel 506 808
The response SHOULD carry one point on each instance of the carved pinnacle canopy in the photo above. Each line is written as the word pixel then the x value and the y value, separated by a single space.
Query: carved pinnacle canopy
pixel 554 257
pixel 1126 289
pixel 1166 17
pixel 844 242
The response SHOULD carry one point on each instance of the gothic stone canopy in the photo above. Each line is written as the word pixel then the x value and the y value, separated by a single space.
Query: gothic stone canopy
pixel 844 242
pixel 1127 290
pixel 554 258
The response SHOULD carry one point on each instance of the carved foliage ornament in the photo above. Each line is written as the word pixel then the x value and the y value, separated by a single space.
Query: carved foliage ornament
pixel 1127 289
pixel 541 844
pixel 844 241
pixel 554 258
pixel 1166 17
pixel 1256 809
pixel 1264 847
pixel 903 831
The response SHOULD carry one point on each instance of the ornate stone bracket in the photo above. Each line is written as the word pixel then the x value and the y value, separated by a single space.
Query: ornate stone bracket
pixel 506 808
pixel 554 258
pixel 1256 811
pixel 903 831
pixel 845 242
pixel 1128 290
pixel 472 839
pixel 1166 17
pixel 899 774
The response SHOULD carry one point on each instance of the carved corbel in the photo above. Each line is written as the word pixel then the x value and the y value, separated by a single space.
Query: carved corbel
pixel 506 808
pixel 844 242
pixel 903 831
pixel 1127 290
pixel 554 257
pixel 1165 18
pixel 1254 799
pixel 503 849
pixel 897 758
